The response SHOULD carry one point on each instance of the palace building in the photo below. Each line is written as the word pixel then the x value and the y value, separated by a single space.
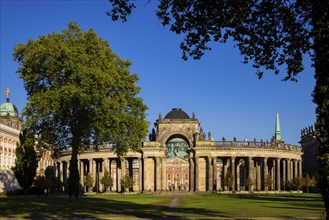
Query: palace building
pixel 179 156
pixel 310 146
pixel 10 125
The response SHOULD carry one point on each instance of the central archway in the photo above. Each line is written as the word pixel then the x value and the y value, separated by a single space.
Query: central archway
pixel 177 147
pixel 177 166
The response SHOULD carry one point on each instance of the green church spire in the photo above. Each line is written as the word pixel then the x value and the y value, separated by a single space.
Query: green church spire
pixel 277 128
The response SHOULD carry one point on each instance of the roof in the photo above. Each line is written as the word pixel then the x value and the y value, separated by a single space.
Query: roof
pixel 8 108
pixel 177 113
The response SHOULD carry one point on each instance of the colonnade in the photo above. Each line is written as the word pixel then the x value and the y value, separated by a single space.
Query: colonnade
pixel 206 173
pixel 247 173
pixel 96 167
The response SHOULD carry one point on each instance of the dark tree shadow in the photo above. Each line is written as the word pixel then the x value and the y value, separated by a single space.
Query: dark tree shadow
pixel 95 208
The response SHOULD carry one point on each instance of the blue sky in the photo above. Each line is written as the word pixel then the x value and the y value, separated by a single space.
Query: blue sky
pixel 226 95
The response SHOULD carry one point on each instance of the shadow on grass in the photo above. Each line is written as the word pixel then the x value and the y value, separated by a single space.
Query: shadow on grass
pixel 95 208
pixel 288 201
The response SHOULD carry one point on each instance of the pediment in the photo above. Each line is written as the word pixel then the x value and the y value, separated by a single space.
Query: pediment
pixel 176 160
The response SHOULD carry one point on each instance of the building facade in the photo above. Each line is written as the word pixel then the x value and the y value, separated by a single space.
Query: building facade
pixel 10 125
pixel 181 156
pixel 309 145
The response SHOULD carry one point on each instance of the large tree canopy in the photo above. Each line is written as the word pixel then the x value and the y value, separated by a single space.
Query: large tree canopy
pixel 269 34
pixel 80 94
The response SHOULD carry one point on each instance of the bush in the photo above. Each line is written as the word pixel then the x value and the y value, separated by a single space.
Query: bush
pixel 107 180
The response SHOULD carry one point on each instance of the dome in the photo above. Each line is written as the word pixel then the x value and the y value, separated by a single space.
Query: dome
pixel 8 108
pixel 177 113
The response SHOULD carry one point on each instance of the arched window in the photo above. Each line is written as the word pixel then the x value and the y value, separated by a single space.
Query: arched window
pixel 168 176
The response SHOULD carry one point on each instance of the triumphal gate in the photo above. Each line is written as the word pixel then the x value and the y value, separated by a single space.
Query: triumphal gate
pixel 180 156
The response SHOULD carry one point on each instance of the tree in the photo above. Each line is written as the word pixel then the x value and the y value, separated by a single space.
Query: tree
pixel 127 182
pixel 249 183
pixel 228 180
pixel 88 182
pixel 152 135
pixel 268 182
pixel 42 183
pixel 26 160
pixel 309 182
pixel 107 181
pixel 298 182
pixel 270 34
pixel 80 94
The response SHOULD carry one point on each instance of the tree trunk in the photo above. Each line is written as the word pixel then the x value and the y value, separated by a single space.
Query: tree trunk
pixel 73 182
pixel 321 92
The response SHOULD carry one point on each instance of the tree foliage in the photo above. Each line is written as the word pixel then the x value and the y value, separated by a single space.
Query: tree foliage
pixel 88 182
pixel 80 94
pixel 268 182
pixel 127 182
pixel 228 180
pixel 309 182
pixel 107 180
pixel 298 182
pixel 26 160
pixel 270 34
pixel 42 183
pixel 249 183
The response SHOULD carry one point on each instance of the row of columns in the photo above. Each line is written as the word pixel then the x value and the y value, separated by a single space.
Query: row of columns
pixel 258 170
pixel 205 173
pixel 96 169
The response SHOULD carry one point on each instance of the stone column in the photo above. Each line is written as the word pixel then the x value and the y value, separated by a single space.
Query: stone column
pixel 123 172
pixel 94 171
pixel 250 171
pixel 140 174
pixel 295 169
pixel 145 185
pixel 81 166
pixel 191 181
pixel 100 175
pixel 61 171
pixel 90 161
pixel 273 175
pixel 278 177
pixel 238 177
pixel 265 167
pixel 233 173
pixel 210 174
pixel 163 174
pixel 225 164
pixel 106 165
pixel 258 176
pixel 300 171
pixel 288 170
pixel 114 174
pixel 196 174
pixel 157 174
pixel 284 172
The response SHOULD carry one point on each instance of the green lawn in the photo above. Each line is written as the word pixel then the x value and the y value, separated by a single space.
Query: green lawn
pixel 158 206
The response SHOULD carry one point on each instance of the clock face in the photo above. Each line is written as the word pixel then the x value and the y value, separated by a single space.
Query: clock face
pixel 177 147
